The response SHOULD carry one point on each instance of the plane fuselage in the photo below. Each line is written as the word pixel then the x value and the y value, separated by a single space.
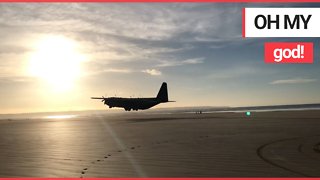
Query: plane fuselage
pixel 131 103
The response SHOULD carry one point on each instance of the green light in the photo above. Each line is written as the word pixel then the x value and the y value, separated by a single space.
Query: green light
pixel 248 113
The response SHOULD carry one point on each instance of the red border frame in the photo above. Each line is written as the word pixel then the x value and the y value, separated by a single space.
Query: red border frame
pixel 243 22
pixel 166 1
pixel 169 1
pixel 250 178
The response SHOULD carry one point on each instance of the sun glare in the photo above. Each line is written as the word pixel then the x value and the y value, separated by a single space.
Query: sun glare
pixel 56 60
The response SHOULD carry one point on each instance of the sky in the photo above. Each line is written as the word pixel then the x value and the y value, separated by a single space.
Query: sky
pixel 54 57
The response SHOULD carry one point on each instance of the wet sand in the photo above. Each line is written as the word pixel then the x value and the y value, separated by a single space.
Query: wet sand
pixel 135 144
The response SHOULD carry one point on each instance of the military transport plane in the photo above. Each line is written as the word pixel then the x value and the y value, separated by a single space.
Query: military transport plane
pixel 137 103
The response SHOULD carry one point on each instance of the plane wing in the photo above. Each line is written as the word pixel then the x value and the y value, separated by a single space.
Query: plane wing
pixel 97 98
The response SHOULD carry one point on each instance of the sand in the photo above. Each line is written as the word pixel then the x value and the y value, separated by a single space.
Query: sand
pixel 136 144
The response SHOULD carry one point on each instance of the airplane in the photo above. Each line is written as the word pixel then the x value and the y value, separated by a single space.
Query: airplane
pixel 137 103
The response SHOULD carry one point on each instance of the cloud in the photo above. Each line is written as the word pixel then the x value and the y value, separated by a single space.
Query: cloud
pixel 150 35
pixel 112 70
pixel 293 81
pixel 152 72
pixel 234 72
pixel 170 63
pixel 157 22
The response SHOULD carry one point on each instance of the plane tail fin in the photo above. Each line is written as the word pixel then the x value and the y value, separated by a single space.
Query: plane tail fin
pixel 163 93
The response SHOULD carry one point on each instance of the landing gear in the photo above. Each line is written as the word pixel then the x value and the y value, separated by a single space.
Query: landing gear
pixel 129 109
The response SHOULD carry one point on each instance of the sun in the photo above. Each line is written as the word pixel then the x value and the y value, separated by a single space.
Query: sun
pixel 57 61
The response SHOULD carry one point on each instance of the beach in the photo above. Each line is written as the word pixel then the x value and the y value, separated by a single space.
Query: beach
pixel 138 144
